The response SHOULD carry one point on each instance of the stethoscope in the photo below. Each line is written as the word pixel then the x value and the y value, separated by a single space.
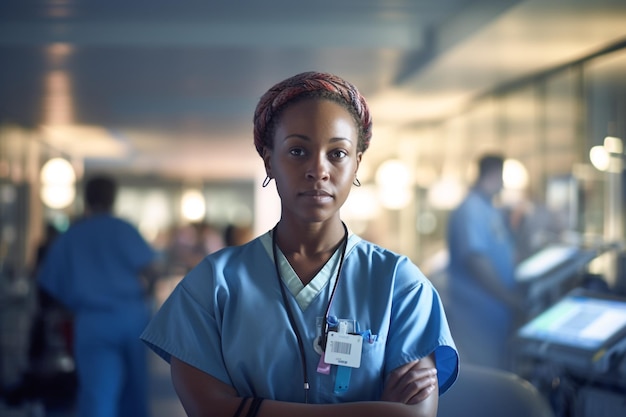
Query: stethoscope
pixel 324 335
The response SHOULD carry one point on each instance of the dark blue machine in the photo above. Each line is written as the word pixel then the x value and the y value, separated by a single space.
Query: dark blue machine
pixel 575 352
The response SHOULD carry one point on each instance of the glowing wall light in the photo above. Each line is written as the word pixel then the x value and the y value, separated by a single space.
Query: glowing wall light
pixel 613 145
pixel 193 206
pixel 599 158
pixel 155 214
pixel 393 173
pixel 514 175
pixel 58 181
pixel 446 193
pixel 393 179
pixel 608 157
pixel 361 205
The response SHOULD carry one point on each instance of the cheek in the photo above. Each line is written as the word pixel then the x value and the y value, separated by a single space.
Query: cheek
pixel 344 181
pixel 347 177
pixel 349 172
pixel 284 180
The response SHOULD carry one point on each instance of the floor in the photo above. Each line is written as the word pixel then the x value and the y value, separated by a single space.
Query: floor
pixel 163 399
pixel 15 325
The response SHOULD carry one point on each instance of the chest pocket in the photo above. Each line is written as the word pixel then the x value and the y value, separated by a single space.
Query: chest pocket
pixel 366 381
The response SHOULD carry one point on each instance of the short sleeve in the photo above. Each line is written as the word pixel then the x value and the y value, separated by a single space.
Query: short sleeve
pixel 186 326
pixel 419 326
pixel 471 227
pixel 134 247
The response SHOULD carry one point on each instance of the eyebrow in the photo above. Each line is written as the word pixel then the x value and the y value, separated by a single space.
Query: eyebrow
pixel 306 138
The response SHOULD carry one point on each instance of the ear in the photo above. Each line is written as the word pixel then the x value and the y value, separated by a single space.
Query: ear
pixel 359 156
pixel 267 157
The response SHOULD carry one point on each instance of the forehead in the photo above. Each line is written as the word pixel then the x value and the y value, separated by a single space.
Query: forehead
pixel 317 113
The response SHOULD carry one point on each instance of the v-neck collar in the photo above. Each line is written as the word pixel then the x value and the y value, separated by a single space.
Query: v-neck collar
pixel 304 294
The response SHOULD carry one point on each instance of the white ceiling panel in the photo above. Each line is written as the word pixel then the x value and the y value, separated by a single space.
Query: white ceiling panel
pixel 169 88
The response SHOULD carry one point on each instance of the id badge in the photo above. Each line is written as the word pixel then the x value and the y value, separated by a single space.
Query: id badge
pixel 344 349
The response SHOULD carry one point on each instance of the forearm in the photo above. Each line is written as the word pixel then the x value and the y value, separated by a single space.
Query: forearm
pixel 150 274
pixel 225 407
pixel 482 270
pixel 204 396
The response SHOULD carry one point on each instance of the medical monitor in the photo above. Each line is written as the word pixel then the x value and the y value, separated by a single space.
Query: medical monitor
pixel 580 328
pixel 579 320
pixel 544 261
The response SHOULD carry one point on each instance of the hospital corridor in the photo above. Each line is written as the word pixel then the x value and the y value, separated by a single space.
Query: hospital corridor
pixel 476 192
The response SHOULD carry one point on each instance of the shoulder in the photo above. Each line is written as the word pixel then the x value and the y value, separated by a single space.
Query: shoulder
pixel 104 221
pixel 373 251
pixel 119 222
pixel 472 199
pixel 381 263
pixel 473 205
pixel 246 252
pixel 226 267
pixel 377 254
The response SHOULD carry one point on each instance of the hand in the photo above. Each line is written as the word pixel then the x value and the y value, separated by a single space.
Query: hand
pixel 411 383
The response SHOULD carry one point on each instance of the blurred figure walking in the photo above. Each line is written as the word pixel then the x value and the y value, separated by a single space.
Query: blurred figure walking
pixel 103 270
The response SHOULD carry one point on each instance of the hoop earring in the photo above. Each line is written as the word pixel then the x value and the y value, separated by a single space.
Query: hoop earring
pixel 356 182
pixel 266 181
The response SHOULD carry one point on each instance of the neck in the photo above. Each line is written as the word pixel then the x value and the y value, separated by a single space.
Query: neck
pixel 307 257
pixel 311 240
pixel 485 190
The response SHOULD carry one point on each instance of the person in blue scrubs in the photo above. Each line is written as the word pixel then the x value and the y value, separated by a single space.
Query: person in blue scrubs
pixel 307 319
pixel 483 302
pixel 101 269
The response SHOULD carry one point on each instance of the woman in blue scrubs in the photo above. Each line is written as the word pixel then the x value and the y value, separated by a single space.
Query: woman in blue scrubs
pixel 307 319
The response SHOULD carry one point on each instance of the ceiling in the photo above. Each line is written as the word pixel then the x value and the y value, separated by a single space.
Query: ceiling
pixel 168 88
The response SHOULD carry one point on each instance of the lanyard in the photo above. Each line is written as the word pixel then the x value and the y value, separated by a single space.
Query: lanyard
pixel 290 314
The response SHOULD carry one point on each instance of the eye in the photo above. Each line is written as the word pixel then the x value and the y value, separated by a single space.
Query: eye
pixel 296 151
pixel 338 154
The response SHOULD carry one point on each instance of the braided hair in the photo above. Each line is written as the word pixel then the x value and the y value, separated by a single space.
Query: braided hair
pixel 304 86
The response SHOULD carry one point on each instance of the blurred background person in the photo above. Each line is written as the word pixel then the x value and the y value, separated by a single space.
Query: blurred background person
pixel 482 298
pixel 190 243
pixel 103 271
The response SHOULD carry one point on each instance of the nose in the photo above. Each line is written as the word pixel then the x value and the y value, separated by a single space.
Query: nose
pixel 318 168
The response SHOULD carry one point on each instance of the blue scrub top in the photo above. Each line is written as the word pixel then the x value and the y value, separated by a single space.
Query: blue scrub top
pixel 95 265
pixel 227 318
pixel 476 227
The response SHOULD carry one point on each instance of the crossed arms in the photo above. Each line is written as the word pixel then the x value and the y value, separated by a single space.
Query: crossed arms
pixel 411 390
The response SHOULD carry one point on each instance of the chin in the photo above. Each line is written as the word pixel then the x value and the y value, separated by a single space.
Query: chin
pixel 317 216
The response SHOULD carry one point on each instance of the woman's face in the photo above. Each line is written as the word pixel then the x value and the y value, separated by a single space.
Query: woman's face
pixel 314 160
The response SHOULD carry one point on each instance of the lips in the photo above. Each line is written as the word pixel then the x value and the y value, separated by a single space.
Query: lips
pixel 316 193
